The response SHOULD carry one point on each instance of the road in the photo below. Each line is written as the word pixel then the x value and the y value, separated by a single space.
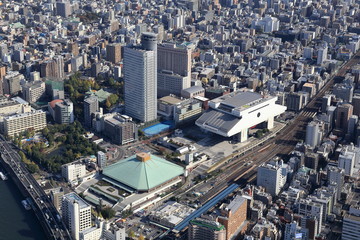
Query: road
pixel 42 205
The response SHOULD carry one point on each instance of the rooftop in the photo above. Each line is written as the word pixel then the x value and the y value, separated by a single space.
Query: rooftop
pixel 208 224
pixel 170 100
pixel 239 99
pixel 74 197
pixel 143 171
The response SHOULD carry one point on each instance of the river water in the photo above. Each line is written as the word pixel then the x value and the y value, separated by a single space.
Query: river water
pixel 16 223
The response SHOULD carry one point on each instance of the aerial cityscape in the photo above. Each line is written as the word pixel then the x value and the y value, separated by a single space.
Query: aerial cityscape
pixel 180 119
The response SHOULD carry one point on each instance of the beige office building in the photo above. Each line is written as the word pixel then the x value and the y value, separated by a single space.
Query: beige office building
pixel 15 124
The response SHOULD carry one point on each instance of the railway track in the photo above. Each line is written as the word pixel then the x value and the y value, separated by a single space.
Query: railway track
pixel 284 142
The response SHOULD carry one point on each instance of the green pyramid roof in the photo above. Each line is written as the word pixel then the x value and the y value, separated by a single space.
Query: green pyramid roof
pixel 143 175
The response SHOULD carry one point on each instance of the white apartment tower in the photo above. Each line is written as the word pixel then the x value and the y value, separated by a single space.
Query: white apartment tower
pixel 76 214
pixel 272 176
pixel 101 159
pixel 313 134
pixel 140 76
pixel 322 55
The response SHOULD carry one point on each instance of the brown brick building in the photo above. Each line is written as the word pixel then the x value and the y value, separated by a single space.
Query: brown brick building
pixel 233 216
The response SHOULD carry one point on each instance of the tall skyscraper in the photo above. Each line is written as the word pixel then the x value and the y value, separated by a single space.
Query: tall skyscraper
pixel 113 52
pixel 174 68
pixel 76 214
pixel 140 76
pixel 91 106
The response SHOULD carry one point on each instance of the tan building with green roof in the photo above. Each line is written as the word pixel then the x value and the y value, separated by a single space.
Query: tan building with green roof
pixel 142 172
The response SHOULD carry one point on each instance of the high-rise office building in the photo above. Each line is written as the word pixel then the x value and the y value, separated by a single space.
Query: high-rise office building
pixel 343 115
pixel 11 83
pixel 140 76
pixel 33 91
pixel 53 68
pixel 113 52
pixel 201 229
pixel 63 9
pixel 64 112
pixel 174 68
pixel 76 214
pixel 91 106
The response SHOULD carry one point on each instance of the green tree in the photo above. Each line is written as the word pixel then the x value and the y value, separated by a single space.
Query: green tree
pixel 22 156
pixel 131 234
pixel 113 98
pixel 108 103
pixel 32 167
pixel 108 212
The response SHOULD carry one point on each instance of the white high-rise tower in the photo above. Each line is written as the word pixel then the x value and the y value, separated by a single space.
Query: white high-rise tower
pixel 140 76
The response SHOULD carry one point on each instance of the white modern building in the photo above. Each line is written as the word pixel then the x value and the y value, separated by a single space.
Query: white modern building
pixel 62 111
pixel 335 175
pixel 101 159
pixel 272 176
pixel 347 161
pixel 73 171
pixel 309 208
pixel 76 214
pixel 313 134
pixel 234 113
pixel 140 76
